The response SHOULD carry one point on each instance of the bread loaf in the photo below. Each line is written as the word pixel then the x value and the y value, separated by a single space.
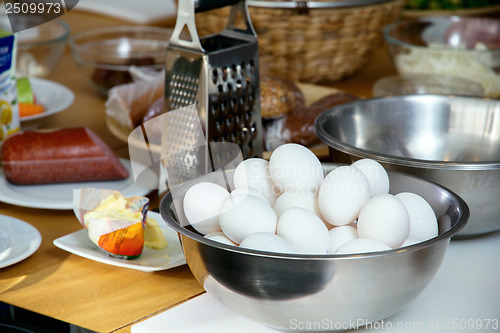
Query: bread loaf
pixel 298 125
pixel 278 97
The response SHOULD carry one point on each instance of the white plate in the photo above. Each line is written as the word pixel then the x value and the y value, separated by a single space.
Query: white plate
pixel 18 240
pixel 60 196
pixel 149 261
pixel 53 96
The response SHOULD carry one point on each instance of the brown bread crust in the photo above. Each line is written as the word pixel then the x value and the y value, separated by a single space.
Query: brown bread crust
pixel 300 122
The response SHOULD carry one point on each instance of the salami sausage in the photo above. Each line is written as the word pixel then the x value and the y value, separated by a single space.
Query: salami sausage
pixel 59 156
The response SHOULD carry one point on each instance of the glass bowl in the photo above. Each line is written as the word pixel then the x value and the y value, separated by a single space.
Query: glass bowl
pixel 426 84
pixel 464 47
pixel 106 55
pixel 39 49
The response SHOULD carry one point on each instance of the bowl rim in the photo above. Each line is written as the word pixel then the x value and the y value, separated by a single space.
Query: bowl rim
pixel 62 38
pixel 454 18
pixel 119 29
pixel 315 4
pixel 401 80
pixel 399 160
pixel 166 202
pixel 80 54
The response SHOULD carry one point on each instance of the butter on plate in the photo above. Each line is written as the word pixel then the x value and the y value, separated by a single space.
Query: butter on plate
pixel 153 236
pixel 115 224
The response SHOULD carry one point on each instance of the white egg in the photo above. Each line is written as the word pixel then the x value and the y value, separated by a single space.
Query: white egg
pixel 423 221
pixel 384 218
pixel 295 167
pixel 409 242
pixel 304 230
pixel 342 194
pixel 220 237
pixel 362 245
pixel 254 173
pixel 249 190
pixel 376 175
pixel 202 203
pixel 341 235
pixel 242 215
pixel 304 199
pixel 266 241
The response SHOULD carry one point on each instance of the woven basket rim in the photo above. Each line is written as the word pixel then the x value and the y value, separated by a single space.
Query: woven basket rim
pixel 313 4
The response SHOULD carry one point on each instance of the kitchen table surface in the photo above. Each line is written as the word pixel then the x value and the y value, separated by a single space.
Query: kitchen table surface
pixel 86 293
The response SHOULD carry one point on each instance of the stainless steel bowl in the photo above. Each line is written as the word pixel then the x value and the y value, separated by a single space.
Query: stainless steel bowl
pixel 453 141
pixel 326 292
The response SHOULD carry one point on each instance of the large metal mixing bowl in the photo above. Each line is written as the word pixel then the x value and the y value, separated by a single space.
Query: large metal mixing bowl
pixel 318 292
pixel 451 140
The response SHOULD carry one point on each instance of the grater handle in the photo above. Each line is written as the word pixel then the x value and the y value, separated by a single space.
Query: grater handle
pixel 206 5
pixel 186 23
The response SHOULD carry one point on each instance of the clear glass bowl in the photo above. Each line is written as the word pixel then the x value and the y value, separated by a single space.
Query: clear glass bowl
pixel 464 47
pixel 426 84
pixel 106 55
pixel 39 49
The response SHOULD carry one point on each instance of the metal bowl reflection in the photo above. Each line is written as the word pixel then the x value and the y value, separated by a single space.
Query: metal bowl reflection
pixel 451 140
pixel 282 291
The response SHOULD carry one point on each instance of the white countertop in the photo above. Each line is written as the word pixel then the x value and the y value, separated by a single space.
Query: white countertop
pixel 464 296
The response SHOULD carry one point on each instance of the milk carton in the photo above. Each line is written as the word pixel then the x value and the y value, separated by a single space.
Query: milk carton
pixel 9 109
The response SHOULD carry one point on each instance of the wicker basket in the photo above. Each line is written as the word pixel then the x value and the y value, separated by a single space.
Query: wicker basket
pixel 320 41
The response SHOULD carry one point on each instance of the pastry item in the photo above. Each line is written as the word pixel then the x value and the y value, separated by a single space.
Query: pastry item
pixel 278 97
pixel 298 125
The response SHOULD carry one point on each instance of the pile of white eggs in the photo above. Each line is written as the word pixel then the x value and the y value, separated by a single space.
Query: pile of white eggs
pixel 289 205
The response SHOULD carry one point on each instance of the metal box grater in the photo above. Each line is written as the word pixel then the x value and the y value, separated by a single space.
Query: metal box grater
pixel 219 74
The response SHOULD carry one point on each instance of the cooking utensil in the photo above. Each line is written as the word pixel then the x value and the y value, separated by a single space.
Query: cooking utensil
pixel 219 74
pixel 278 289
pixel 451 140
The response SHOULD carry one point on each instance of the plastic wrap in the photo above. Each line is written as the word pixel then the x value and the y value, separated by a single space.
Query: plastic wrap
pixel 114 223
pixel 127 104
